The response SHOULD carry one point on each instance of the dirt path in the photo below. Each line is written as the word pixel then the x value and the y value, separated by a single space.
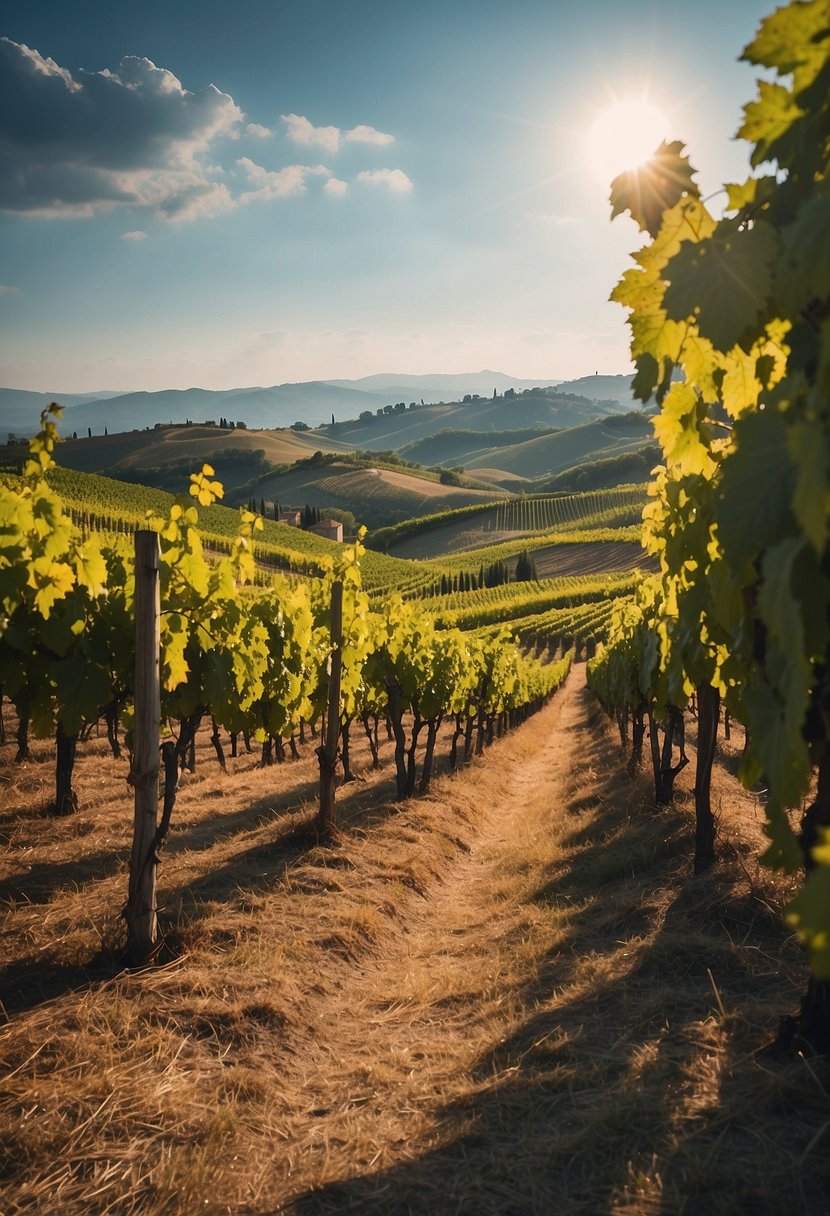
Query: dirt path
pixel 400 1040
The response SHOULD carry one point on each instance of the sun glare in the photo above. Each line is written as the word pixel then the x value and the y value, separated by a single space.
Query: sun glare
pixel 623 136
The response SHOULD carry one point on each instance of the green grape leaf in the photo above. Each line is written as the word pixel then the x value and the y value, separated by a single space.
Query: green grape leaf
pixel 784 851
pixel 654 187
pixel 678 430
pixel 788 666
pixel 759 477
pixel 811 500
pixel 646 377
pixel 57 581
pixel 768 119
pixel 790 40
pixel 723 282
pixel 740 386
pixel 777 743
pixel 808 911
pixel 804 275
pixel 701 363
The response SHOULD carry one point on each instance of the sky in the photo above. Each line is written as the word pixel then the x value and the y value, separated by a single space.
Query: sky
pixel 271 191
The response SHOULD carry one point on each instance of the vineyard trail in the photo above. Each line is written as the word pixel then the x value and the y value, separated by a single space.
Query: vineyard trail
pixel 505 997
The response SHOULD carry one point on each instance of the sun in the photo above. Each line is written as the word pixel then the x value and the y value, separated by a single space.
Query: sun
pixel 623 136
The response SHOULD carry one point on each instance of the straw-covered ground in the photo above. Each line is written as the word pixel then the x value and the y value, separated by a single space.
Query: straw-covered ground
pixel 508 996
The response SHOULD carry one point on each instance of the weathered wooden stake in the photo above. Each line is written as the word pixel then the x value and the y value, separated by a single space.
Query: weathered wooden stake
pixel 142 924
pixel 327 753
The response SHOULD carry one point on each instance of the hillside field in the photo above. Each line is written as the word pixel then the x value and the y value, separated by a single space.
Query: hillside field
pixel 376 496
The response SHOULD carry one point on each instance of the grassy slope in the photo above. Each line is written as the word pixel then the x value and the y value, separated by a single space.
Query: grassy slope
pixel 552 453
pixel 452 447
pixel 135 450
pixel 376 496
pixel 510 996
pixel 492 414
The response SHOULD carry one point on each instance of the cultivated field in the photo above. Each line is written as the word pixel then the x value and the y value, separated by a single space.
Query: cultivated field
pixel 376 496
pixel 591 557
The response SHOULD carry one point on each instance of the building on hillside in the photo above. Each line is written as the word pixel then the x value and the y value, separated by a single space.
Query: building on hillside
pixel 332 529
pixel 293 518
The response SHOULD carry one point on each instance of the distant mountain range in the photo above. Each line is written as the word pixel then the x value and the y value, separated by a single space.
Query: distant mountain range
pixel 312 402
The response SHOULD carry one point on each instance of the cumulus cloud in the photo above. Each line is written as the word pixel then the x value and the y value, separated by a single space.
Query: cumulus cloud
pixel 394 179
pixel 277 183
pixel 367 135
pixel 135 235
pixel 301 131
pixel 336 187
pixel 257 129
pixel 6 289
pixel 71 144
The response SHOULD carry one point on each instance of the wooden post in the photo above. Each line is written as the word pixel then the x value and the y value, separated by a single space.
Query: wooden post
pixel 327 753
pixel 142 925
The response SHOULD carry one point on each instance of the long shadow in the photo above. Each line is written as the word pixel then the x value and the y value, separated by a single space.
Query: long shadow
pixel 31 981
pixel 576 1111
pixel 266 861
pixel 358 808
pixel 43 880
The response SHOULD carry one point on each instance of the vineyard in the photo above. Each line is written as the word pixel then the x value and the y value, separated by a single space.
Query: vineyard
pixel 495 882
pixel 253 661
pixel 103 505
pixel 511 601
pixel 474 526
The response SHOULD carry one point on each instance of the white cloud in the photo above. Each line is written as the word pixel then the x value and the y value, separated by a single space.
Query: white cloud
pixel 301 131
pixel 336 187
pixel 135 235
pixel 367 135
pixel 257 129
pixel 6 289
pixel 71 145
pixel 394 179
pixel 279 183
pixel 47 67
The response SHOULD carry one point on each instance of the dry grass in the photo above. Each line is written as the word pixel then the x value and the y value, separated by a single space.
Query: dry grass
pixel 507 997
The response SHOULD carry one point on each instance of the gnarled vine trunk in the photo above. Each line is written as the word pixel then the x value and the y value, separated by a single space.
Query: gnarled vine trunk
pixel 66 800
pixel 708 716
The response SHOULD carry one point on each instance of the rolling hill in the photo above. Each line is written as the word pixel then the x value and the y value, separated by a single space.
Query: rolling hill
pixel 542 408
pixel 558 450
pixel 376 496
pixel 165 456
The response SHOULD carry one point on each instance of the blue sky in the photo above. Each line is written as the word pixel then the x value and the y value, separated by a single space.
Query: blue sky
pixel 293 191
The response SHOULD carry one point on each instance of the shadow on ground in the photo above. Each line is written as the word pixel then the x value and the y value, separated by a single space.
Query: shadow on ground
pixel 626 1085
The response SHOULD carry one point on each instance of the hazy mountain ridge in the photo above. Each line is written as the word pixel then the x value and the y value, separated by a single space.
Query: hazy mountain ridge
pixel 312 402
